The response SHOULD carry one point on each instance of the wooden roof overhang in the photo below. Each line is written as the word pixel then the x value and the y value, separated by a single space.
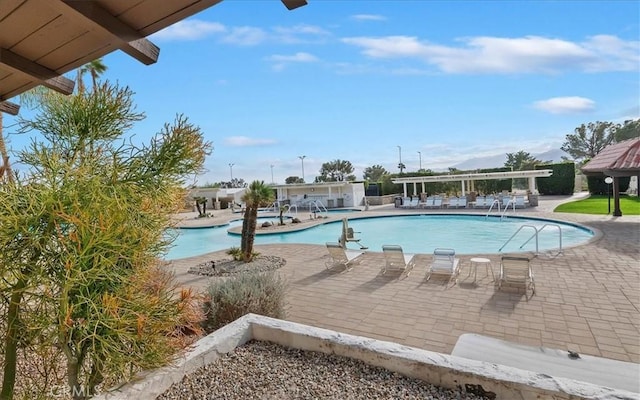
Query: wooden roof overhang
pixel 616 160
pixel 40 40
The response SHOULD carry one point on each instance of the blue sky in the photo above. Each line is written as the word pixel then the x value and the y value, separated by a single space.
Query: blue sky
pixel 353 80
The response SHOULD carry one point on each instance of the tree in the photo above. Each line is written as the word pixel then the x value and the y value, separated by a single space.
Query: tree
pixel 256 196
pixel 82 235
pixel 521 161
pixel 234 183
pixel 374 173
pixel 293 179
pixel 95 68
pixel 336 171
pixel 6 173
pixel 589 140
pixel 629 130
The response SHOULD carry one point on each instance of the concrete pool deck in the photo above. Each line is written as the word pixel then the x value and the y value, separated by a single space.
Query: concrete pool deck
pixel 587 299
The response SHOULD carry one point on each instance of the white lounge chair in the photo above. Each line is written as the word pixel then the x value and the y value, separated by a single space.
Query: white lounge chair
pixel 480 202
pixel 341 256
pixel 444 262
pixel 395 258
pixel 428 203
pixel 517 271
pixel 453 202
pixel 437 202
pixel 413 203
pixel 519 202
pixel 462 202
pixel 508 201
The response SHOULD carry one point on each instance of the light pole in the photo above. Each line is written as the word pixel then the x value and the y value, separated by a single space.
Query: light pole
pixel 420 156
pixel 302 160
pixel 272 181
pixel 231 170
pixel 608 180
pixel 399 155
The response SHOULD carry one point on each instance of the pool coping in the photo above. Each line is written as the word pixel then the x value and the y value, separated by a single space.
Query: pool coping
pixel 312 223
pixel 443 370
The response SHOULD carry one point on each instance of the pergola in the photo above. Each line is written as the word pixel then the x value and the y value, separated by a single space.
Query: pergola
pixel 466 180
pixel 616 160
pixel 40 40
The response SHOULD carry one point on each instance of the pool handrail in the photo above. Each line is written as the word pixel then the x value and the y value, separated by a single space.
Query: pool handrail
pixel 518 231
pixel 540 230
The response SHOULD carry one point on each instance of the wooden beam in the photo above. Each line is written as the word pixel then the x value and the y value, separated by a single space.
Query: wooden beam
pixel 42 74
pixel 9 108
pixel 131 41
pixel 178 16
pixel 293 4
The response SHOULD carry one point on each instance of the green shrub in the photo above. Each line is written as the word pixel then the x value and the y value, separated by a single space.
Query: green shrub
pixel 236 253
pixel 230 299
pixel 561 182
pixel 597 185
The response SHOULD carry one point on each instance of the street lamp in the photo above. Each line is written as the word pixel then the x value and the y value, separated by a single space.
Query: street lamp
pixel 608 180
pixel 399 155
pixel 272 181
pixel 302 160
pixel 231 170
pixel 420 155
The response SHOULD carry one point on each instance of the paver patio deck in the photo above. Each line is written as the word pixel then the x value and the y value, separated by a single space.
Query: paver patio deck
pixel 587 299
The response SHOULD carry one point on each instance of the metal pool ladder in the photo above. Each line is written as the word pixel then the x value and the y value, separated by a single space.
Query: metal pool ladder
pixel 535 235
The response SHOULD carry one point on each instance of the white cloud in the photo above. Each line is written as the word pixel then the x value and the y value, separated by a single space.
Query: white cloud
pixel 245 36
pixel 565 105
pixel 192 29
pixel 529 54
pixel 281 61
pixel 368 17
pixel 301 33
pixel 244 141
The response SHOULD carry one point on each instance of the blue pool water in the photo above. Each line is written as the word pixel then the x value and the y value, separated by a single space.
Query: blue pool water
pixel 467 234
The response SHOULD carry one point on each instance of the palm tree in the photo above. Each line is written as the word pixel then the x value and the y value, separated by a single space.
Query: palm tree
pixel 95 68
pixel 257 194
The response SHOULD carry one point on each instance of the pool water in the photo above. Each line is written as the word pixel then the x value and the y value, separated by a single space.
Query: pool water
pixel 467 234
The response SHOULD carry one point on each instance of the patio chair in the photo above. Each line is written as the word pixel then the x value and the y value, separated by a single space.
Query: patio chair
pixel 444 262
pixel 341 256
pixel 428 203
pixel 462 202
pixel 516 271
pixel 519 202
pixel 412 203
pixel 395 258
pixel 480 202
pixel 453 202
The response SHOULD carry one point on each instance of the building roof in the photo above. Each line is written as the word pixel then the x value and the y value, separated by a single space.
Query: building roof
pixel 619 159
pixel 40 40
pixel 540 173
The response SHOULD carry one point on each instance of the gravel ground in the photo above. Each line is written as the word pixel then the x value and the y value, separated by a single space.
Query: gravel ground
pixel 226 267
pixel 260 370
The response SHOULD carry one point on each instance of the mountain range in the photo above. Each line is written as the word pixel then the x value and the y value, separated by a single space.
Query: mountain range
pixel 498 160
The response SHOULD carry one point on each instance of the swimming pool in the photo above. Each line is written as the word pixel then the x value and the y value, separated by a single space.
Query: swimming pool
pixel 467 234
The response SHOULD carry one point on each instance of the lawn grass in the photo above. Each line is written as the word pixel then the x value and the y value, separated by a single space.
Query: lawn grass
pixel 597 204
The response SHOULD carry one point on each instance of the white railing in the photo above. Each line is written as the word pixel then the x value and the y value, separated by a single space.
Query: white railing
pixel 288 209
pixel 512 203
pixel 317 207
pixel 536 236
pixel 495 201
